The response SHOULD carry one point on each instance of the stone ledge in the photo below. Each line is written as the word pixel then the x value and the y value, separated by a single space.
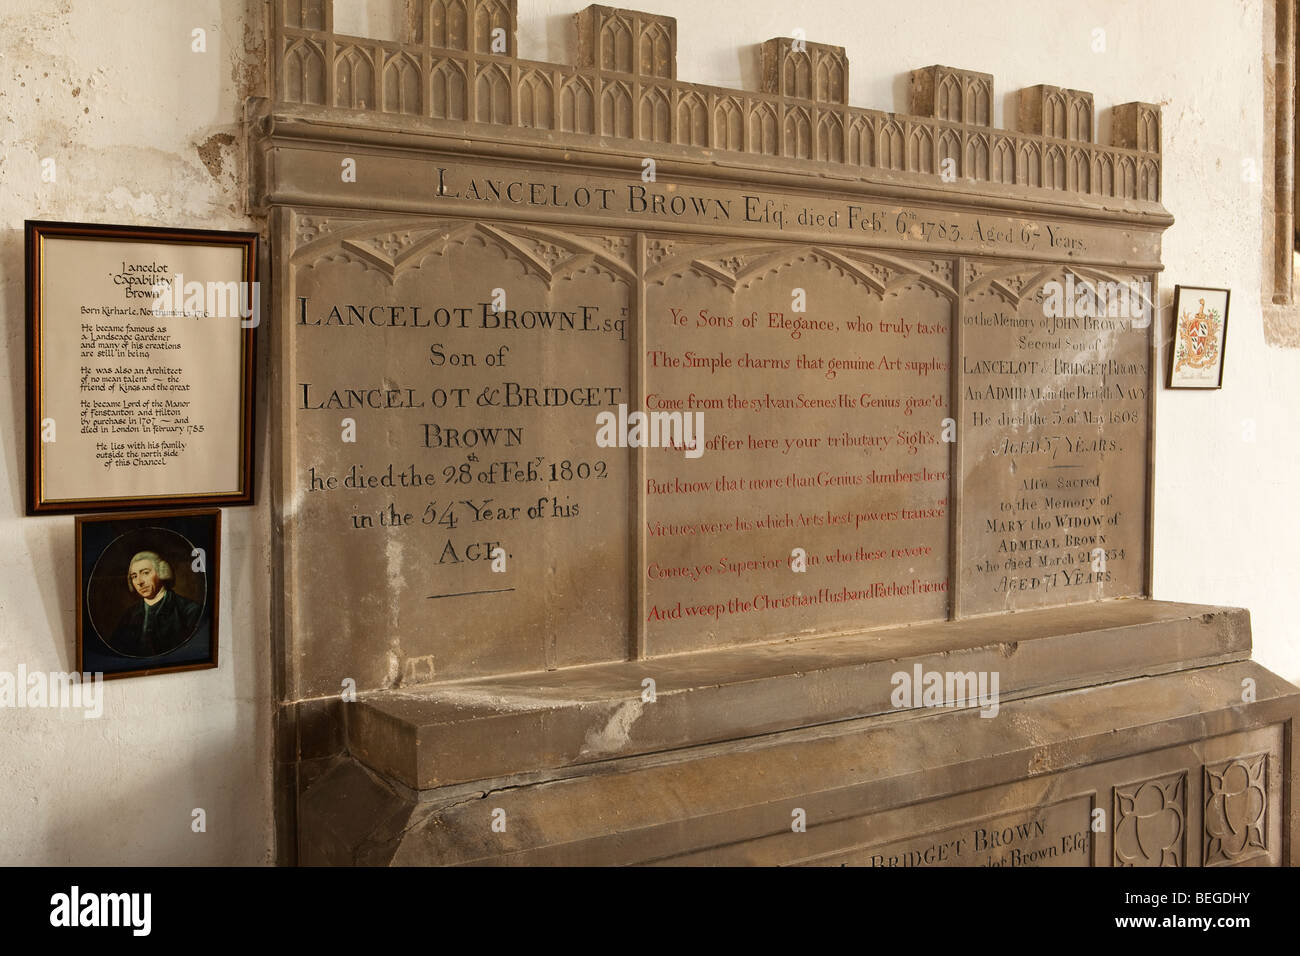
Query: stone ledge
pixel 864 784
pixel 434 735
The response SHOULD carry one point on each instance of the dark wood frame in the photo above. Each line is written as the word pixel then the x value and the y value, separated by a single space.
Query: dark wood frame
pixel 36 230
pixel 1173 339
pixel 214 584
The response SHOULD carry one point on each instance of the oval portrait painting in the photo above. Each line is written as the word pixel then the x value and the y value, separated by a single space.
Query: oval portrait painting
pixel 143 597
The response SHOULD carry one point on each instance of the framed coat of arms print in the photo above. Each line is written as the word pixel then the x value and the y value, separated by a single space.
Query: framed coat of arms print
pixel 1200 334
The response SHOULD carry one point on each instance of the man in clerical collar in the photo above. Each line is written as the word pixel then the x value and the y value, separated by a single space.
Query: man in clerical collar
pixel 163 620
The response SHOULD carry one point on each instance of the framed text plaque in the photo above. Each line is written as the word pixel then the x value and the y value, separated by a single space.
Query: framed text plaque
pixel 139 366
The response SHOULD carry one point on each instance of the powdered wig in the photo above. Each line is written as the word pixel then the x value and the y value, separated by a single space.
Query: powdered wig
pixel 160 567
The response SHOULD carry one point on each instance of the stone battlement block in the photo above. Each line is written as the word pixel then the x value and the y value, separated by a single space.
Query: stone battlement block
pixel 808 71
pixel 958 96
pixel 1136 126
pixel 627 41
pixel 1056 112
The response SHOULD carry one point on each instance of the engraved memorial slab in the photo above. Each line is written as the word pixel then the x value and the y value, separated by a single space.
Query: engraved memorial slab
pixel 822 436
pixel 1056 403
pixel 477 359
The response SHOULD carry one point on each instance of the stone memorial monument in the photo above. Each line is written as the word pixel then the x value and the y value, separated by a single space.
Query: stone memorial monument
pixel 674 474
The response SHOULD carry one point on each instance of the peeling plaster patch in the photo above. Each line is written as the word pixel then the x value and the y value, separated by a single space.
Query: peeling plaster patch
pixel 248 71
pixel 144 205
pixel 162 186
pixel 617 733
pixel 210 152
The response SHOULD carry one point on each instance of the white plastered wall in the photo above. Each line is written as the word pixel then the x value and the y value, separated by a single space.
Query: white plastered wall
pixel 141 130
